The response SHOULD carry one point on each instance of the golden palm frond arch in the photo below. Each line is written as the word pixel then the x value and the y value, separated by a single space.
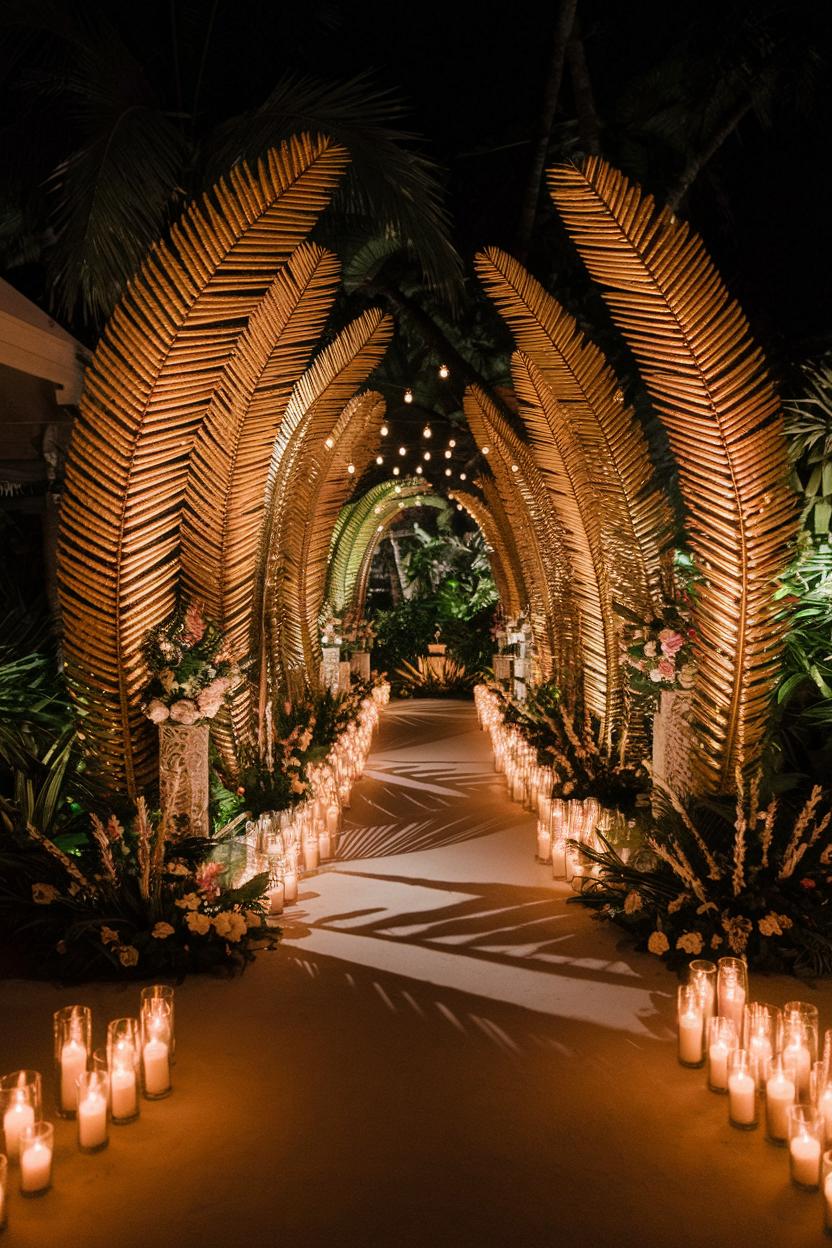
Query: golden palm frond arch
pixel 146 392
pixel 711 389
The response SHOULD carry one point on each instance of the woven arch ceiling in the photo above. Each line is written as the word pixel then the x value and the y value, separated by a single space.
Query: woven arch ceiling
pixel 507 576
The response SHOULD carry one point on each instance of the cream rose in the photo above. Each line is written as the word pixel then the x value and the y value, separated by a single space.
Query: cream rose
pixel 184 711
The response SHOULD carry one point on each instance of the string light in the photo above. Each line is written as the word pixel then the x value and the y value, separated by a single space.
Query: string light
pixel 330 442
pixel 447 472
pixel 427 432
pixel 350 468
pixel 463 476
pixel 459 506
pixel 486 449
pixel 419 469
pixel 426 455
pixel 384 431
pixel 402 450
pixel 448 454
pixel 444 372
pixel 395 472
pixel 452 442
pixel 398 489
pixel 377 511
pixel 379 459
pixel 408 396
pixel 514 468
pixel 380 528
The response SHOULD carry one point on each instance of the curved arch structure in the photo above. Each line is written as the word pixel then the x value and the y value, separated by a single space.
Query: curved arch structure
pixel 388 516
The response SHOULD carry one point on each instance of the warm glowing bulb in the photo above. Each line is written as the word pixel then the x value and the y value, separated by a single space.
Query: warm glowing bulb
pixel 444 371
pixel 419 469
pixel 384 431
pixel 459 506
pixel 486 449
pixel 395 472
pixel 330 442
pixel 427 455
pixel 379 459
pixel 380 528
pixel 377 510
pixel 402 450
pixel 463 476
pixel 448 454
pixel 427 432
pixel 350 468
pixel 398 489
pixel 452 442
pixel 514 468
pixel 408 396
pixel 447 472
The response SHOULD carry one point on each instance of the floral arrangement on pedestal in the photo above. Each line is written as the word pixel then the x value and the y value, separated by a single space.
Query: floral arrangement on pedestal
pixel 658 654
pixel 750 880
pixel 358 634
pixel 130 900
pixel 330 626
pixel 190 667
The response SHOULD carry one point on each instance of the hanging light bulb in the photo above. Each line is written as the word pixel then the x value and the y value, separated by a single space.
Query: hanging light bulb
pixel 444 372
pixel 379 459
pixel 452 442
pixel 426 455
pixel 398 489
pixel 459 506
pixel 408 396
pixel 514 468
pixel 463 476
pixel 395 472
pixel 448 454
pixel 427 432
pixel 419 469
pixel 447 472
pixel 330 442
pixel 486 449
pixel 377 511
pixel 384 431
pixel 380 528
pixel 350 468
pixel 402 450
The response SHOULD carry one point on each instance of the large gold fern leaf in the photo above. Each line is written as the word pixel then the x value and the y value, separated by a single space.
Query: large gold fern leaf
pixel 636 514
pixel 561 461
pixel 502 524
pixel 146 391
pixel 317 399
pixel 710 386
pixel 224 499
pixel 539 534
pixel 498 558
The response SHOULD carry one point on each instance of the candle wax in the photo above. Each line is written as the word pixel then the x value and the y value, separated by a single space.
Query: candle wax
pixel 324 845
pixel 276 895
pixel 156 1067
pixel 123 1093
pixel 718 1064
pixel 780 1093
pixel 290 886
pixel 92 1121
pixel 73 1063
pixel 741 1097
pixel 35 1166
pixel 310 853
pixel 332 816
pixel 732 1004
pixel 19 1115
pixel 690 1038
pixel 805 1155
pixel 544 843
pixel 796 1054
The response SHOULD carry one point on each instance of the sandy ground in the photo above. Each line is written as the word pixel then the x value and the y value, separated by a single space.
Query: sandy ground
pixel 443 1051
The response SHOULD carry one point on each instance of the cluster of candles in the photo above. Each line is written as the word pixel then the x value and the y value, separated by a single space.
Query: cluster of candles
pixel 289 844
pixel 767 1061
pixel 563 825
pixel 95 1087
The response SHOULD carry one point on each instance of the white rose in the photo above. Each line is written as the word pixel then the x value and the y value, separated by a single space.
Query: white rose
pixel 184 711
pixel 156 711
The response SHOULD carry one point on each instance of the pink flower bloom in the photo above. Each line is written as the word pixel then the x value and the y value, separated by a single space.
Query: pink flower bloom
pixel 671 642
pixel 206 879
pixel 156 711
pixel 667 669
pixel 184 711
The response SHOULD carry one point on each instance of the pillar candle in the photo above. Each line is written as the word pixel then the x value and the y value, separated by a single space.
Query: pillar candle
pixel 276 897
pixel 20 1114
pixel 324 845
pixel 290 886
pixel 759 1052
pixel 310 853
pixel 797 1055
pixel 741 1098
pixel 780 1094
pixel 333 815
pixel 156 1067
pixel 123 1093
pixel 92 1120
pixel 35 1166
pixel 544 842
pixel 690 1037
pixel 805 1157
pixel 73 1062
pixel 732 1004
pixel 718 1064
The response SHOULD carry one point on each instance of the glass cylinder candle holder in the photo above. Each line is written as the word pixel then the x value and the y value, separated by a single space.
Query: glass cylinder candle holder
pixel 800 1046
pixel 162 992
pixel 37 1144
pixel 290 876
pixel 559 857
pixel 690 1022
pixel 310 852
pixel 156 1037
pixel 544 841
pixel 124 1062
pixel 72 1030
pixel 781 1095
pixel 826 1188
pixel 702 976
pixel 821 1098
pixel 21 1104
pixel 93 1111
pixel 324 841
pixel 722 1040
pixel 732 991
pixel 762 1037
pixel 805 1146
pixel 4 1179
pixel 742 1091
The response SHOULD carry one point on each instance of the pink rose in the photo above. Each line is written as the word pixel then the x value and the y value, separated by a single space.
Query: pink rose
pixel 667 669
pixel 671 642
pixel 156 711
pixel 184 711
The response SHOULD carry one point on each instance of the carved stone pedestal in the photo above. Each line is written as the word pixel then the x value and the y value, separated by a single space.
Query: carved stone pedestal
pixel 183 776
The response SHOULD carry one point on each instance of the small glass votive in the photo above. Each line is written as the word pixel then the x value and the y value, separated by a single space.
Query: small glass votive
pixel 92 1116
pixel 4 1179
pixel 732 991
pixel 21 1104
pixel 156 1037
pixel 163 992
pixel 805 1146
pixel 722 1040
pixel 72 1030
pixel 742 1091
pixel 690 1022
pixel 124 1065
pixel 37 1144
pixel 826 1188
pixel 781 1095
pixel 702 975
pixel 762 1037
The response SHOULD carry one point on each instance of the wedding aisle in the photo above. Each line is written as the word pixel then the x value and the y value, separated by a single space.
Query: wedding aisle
pixel 442 1051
